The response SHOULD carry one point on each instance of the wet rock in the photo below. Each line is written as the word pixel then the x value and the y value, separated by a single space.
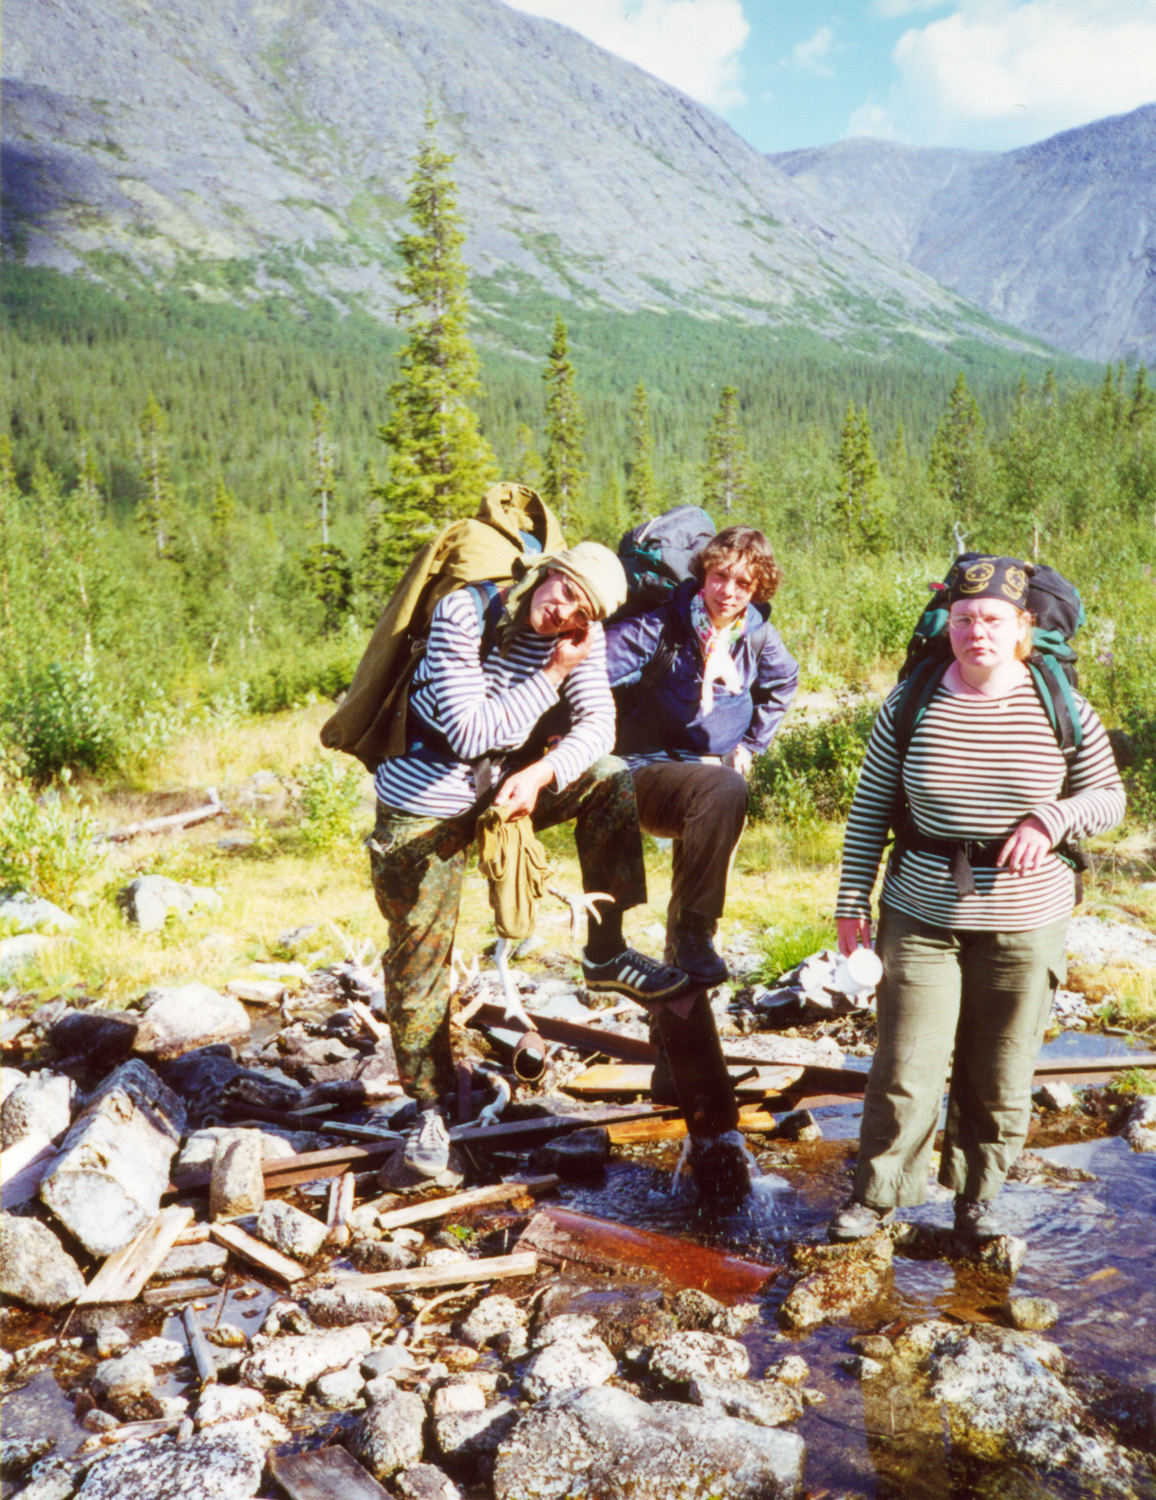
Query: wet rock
pixel 41 1105
pixel 162 1353
pixel 296 1234
pixel 227 1336
pixel 106 1184
pixel 799 1125
pixel 390 1435
pixel 340 1390
pixel 296 1361
pixel 1056 1095
pixel 861 1366
pixel 873 1346
pixel 18 1454
pixel 1032 1314
pixel 112 1340
pixel 1003 1255
pixel 606 1444
pixel 381 1255
pixel 568 1364
pixel 425 1482
pixel 442 1255
pixel 237 1185
pixel 1140 1130
pixel 1002 1397
pixel 35 1268
pixel 491 1316
pixel 766 1403
pixel 631 1329
pixel 577 1157
pixel 208 1467
pixel 54 1479
pixel 468 1441
pixel 793 1370
pixel 200 1078
pixel 99 1421
pixel 339 1307
pixel 188 1018
pixel 692 1308
pixel 192 1260
pixel 837 1280
pixel 102 1037
pixel 684 1357
pixel 148 900
pixel 565 1326
pixel 227 1403
pixel 120 1380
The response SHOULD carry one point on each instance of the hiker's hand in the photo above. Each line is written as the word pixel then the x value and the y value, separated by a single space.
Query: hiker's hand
pixel 569 651
pixel 740 759
pixel 1028 845
pixel 854 932
pixel 518 794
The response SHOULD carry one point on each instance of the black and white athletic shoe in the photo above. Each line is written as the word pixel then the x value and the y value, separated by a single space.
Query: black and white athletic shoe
pixel 428 1149
pixel 632 973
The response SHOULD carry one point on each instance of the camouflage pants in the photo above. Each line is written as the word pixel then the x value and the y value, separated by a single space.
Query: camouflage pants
pixel 418 864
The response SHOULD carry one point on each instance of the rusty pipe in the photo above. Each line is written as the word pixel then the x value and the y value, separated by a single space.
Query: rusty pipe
pixel 529 1060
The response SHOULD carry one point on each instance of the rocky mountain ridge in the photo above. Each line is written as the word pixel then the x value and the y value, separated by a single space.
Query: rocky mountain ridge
pixel 258 146
pixel 1058 238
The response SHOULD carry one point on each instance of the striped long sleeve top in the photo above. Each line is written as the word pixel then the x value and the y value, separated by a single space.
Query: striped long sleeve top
pixel 486 707
pixel 975 768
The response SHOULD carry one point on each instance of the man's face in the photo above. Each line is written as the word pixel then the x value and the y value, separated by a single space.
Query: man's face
pixel 559 607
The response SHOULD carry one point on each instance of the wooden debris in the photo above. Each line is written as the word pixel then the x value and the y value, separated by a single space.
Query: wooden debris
pixel 214 808
pixel 324 1474
pixel 129 1432
pixel 440 1208
pixel 192 1287
pixel 634 1078
pixel 560 1235
pixel 464 1273
pixel 123 1275
pixel 23 1167
pixel 363 1132
pixel 339 1208
pixel 639 1132
pixel 203 1356
pixel 237 1242
pixel 195 1234
pixel 377 1029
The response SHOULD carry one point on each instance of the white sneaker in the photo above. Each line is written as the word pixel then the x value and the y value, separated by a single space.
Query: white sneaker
pixel 428 1149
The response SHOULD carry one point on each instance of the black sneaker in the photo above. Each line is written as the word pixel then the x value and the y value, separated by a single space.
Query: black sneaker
pixel 632 973
pixel 694 949
pixel 977 1220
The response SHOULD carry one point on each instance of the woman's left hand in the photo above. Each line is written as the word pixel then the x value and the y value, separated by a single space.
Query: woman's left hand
pixel 1026 848
pixel 518 794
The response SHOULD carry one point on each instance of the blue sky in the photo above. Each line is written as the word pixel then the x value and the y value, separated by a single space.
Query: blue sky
pixel 985 74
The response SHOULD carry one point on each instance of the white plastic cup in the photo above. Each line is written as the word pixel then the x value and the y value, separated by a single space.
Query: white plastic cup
pixel 859 972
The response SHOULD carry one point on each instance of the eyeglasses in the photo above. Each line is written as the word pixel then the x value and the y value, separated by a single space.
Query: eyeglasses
pixel 580 609
pixel 989 623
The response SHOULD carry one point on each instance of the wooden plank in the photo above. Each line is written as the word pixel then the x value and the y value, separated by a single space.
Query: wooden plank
pixel 123 1275
pixel 562 1236
pixel 324 1474
pixel 264 1257
pixel 440 1208
pixel 203 1356
pixel 377 1029
pixel 192 1288
pixel 467 1272
pixel 638 1132
pixel 195 1234
pixel 23 1167
pixel 634 1078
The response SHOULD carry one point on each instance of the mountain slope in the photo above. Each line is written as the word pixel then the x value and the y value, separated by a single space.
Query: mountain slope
pixel 1057 238
pixel 251 146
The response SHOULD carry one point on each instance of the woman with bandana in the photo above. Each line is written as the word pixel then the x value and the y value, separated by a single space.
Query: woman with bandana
pixel 974 908
pixel 707 681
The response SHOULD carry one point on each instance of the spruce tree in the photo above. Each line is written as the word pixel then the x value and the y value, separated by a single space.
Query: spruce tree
pixel 726 477
pixel 564 480
pixel 862 493
pixel 527 461
pixel 959 463
pixel 439 463
pixel 157 499
pixel 326 567
pixel 641 489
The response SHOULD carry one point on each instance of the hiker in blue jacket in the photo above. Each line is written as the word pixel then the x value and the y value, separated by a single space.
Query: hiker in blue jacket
pixel 704 682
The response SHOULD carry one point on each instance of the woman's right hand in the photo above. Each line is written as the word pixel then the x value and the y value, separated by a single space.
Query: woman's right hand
pixel 569 652
pixel 854 932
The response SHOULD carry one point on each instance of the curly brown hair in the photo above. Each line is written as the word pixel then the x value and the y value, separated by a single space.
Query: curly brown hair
pixel 748 548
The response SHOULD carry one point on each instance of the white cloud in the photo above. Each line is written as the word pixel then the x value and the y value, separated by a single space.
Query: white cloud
pixel 813 55
pixel 892 8
pixel 692 44
pixel 1002 73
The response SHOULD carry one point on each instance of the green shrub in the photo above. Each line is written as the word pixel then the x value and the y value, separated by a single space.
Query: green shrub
pixel 58 718
pixel 331 802
pixel 46 843
pixel 291 680
pixel 810 773
pixel 785 948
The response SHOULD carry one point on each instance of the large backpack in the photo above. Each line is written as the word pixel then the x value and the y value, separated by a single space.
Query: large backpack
pixel 513 525
pixel 1059 613
pixel 656 556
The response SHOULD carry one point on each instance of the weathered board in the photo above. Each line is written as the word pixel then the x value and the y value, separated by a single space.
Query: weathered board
pixel 466 1272
pixel 439 1208
pixel 123 1275
pixel 264 1257
pixel 325 1474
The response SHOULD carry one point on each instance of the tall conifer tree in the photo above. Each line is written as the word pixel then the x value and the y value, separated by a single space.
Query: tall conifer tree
pixel 862 493
pixel 564 480
pixel 157 500
pixel 439 463
pixel 726 479
pixel 641 489
pixel 959 464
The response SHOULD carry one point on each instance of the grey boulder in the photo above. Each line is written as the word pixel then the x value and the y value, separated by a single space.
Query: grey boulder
pixel 34 1267
pixel 187 1018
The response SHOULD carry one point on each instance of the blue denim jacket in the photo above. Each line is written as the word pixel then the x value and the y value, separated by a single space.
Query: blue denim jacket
pixel 666 714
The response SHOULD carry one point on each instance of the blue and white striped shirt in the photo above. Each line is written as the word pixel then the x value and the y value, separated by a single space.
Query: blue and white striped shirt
pixel 486 708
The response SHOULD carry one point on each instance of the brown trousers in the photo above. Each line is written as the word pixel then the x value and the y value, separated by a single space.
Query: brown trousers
pixel 703 808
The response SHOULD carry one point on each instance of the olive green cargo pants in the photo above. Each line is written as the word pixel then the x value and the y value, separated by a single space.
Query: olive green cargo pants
pixel 986 996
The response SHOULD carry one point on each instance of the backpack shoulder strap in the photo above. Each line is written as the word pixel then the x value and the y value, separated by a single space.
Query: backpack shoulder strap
pixel 487 599
pixel 918 690
pixel 1055 693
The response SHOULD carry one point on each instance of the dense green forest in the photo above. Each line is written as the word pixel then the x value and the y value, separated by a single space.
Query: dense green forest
pixel 171 469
